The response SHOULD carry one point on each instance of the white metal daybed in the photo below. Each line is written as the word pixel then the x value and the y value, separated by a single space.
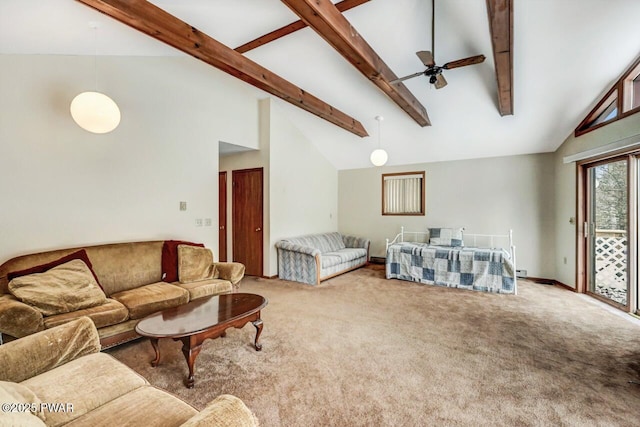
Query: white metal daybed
pixel 438 257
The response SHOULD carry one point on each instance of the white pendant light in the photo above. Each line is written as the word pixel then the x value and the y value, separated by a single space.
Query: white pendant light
pixel 379 157
pixel 94 111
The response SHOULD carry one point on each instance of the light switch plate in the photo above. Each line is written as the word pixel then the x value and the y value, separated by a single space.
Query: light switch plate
pixel 183 206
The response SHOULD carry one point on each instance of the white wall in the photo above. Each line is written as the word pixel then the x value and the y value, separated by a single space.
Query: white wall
pixel 486 196
pixel 300 185
pixel 62 186
pixel 304 186
pixel 566 189
pixel 250 160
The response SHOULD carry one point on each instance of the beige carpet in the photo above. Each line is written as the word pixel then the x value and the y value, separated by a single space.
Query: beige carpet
pixel 360 350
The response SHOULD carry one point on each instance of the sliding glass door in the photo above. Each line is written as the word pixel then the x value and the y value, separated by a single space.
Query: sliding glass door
pixel 607 231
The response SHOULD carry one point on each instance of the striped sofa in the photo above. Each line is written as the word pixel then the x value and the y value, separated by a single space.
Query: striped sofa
pixel 316 257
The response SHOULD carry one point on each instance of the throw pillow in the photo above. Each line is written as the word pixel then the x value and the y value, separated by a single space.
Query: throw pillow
pixel 62 289
pixel 446 237
pixel 195 263
pixel 23 405
pixel 81 254
pixel 170 259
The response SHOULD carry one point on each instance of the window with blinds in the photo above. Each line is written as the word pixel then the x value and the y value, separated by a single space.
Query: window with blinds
pixel 403 193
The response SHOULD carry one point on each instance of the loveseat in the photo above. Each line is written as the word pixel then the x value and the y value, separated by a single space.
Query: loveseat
pixel 137 279
pixel 59 377
pixel 317 257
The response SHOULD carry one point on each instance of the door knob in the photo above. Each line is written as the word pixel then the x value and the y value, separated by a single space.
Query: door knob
pixel 222 227
pixel 258 229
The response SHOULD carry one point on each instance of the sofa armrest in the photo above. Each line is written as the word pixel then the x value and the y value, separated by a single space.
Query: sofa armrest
pixel 299 263
pixel 40 352
pixel 356 242
pixel 293 247
pixel 17 318
pixel 231 271
pixel 224 411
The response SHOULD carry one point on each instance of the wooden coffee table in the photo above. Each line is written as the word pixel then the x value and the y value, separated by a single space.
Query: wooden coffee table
pixel 202 319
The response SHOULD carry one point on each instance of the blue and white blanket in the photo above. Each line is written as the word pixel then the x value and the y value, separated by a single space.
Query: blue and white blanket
pixel 479 269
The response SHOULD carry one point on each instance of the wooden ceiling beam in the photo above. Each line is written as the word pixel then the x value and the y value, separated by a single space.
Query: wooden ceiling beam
pixel 292 28
pixel 501 27
pixel 161 25
pixel 331 25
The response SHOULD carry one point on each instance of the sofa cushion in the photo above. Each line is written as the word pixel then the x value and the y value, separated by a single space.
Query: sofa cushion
pixel 195 263
pixel 330 259
pixel 145 406
pixel 148 299
pixel 326 242
pixel 81 254
pixel 64 288
pixel 170 258
pixel 109 313
pixel 18 415
pixel 87 382
pixel 205 288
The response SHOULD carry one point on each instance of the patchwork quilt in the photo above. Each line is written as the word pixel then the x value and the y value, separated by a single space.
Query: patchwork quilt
pixel 478 269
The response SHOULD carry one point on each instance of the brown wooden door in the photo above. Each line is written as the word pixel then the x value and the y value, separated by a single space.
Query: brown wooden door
pixel 222 216
pixel 247 219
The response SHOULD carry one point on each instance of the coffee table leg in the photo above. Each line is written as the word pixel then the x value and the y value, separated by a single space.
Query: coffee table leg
pixel 154 344
pixel 190 354
pixel 258 324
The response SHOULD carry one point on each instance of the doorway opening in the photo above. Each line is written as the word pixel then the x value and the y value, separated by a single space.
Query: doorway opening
pixel 607 246
pixel 247 219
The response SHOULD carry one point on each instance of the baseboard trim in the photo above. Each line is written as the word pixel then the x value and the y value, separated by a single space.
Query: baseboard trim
pixel 562 285
pixel 377 260
pixel 270 277
pixel 550 282
pixel 540 280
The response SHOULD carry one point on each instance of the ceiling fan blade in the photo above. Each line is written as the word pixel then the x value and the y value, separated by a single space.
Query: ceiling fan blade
pixel 427 58
pixel 440 81
pixel 464 62
pixel 410 76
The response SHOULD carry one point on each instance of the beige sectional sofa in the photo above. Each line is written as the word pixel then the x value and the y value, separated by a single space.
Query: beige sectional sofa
pixel 58 377
pixel 131 276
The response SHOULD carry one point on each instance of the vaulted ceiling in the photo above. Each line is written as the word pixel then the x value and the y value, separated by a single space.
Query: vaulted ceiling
pixel 564 53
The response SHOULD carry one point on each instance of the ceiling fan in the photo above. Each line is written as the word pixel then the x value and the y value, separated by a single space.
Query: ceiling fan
pixel 433 71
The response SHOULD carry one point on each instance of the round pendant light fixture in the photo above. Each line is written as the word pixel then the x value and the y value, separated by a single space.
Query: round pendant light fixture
pixel 379 156
pixel 94 111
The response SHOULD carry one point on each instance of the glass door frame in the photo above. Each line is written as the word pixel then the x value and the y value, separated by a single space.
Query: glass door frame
pixel 584 205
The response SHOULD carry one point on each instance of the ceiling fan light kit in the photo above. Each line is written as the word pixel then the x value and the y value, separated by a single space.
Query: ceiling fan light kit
pixel 433 71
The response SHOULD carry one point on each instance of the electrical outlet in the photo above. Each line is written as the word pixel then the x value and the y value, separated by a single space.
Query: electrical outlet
pixel 207 222
pixel 183 206
pixel 198 222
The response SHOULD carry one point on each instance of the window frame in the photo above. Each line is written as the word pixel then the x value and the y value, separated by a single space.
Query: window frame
pixel 422 194
pixel 624 93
